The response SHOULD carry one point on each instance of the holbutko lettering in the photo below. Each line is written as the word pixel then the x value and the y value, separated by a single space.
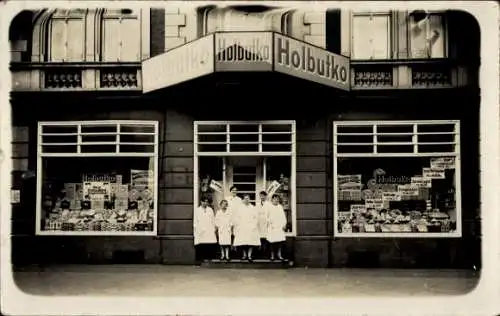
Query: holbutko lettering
pixel 304 60
pixel 238 51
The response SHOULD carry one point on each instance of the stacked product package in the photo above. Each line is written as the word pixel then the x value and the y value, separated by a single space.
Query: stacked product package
pixel 104 203
pixel 387 203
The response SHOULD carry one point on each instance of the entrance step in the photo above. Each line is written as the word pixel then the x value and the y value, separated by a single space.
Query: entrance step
pixel 244 264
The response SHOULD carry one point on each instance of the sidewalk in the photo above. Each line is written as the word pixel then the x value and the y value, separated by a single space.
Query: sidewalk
pixel 153 280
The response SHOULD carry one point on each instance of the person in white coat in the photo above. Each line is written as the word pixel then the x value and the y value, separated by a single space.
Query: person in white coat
pixel 205 239
pixel 246 230
pixel 276 219
pixel 262 207
pixel 234 202
pixel 223 224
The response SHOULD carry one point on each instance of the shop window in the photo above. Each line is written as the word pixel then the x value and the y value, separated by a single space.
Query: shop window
pixel 397 179
pixel 427 37
pixel 253 157
pixel 121 36
pixel 371 36
pixel 97 178
pixel 66 36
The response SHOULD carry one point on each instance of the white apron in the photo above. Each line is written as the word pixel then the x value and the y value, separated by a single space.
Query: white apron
pixel 233 204
pixel 276 222
pixel 246 231
pixel 262 214
pixel 204 226
pixel 223 224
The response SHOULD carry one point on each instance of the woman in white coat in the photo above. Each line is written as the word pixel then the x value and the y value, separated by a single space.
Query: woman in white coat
pixel 262 207
pixel 276 219
pixel 224 228
pixel 246 230
pixel 205 239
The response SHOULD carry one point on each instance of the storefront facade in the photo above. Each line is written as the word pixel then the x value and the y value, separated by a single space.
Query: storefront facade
pixel 368 152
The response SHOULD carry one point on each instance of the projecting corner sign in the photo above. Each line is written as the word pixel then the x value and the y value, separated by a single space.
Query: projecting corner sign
pixel 246 51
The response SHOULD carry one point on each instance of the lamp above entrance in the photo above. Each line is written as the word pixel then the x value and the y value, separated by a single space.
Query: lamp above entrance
pixel 246 52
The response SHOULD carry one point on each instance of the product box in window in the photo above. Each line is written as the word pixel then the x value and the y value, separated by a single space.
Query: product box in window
pixel 121 204
pixel 71 190
pixel 133 193
pixel 98 204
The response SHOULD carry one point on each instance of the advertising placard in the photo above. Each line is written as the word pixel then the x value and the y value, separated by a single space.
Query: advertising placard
pixel 421 182
pixel 391 196
pixel 377 204
pixel 309 62
pixel 242 51
pixel 191 60
pixel 443 163
pixel 408 190
pixel 352 178
pixel 433 173
pixel 358 208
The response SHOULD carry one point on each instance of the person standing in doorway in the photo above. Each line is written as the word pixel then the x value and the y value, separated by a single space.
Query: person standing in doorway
pixel 205 239
pixel 276 227
pixel 234 203
pixel 262 207
pixel 224 227
pixel 246 234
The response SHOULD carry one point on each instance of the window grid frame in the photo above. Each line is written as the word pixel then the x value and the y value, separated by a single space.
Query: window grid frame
pixel 40 157
pixel 456 154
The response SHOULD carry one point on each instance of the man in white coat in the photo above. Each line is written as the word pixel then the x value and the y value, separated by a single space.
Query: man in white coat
pixel 276 219
pixel 205 239
pixel 262 210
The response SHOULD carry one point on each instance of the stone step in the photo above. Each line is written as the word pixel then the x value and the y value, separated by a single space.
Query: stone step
pixel 244 264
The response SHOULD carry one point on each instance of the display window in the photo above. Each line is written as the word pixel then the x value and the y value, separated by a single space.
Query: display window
pixel 97 178
pixel 251 157
pixel 397 179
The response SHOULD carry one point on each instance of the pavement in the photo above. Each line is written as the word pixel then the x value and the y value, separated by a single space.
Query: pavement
pixel 190 281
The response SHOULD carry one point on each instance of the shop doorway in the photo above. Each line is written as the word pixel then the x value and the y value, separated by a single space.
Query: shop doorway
pixel 252 156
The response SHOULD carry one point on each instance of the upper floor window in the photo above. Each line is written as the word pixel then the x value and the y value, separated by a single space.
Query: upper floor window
pixel 371 36
pixel 426 35
pixel 232 19
pixel 66 34
pixel 121 35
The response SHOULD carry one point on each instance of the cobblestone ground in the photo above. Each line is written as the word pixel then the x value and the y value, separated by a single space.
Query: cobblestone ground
pixel 152 280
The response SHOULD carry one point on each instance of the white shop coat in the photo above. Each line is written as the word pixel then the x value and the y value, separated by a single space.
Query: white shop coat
pixel 204 226
pixel 262 210
pixel 276 219
pixel 233 204
pixel 223 222
pixel 246 230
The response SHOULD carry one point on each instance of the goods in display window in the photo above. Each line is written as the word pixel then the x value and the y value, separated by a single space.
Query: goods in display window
pixel 101 203
pixel 403 195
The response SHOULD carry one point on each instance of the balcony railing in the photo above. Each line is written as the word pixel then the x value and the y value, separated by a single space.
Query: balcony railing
pixel 76 76
pixel 411 74
pixel 365 75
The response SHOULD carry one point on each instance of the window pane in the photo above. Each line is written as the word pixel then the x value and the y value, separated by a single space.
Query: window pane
pixel 98 194
pixel 131 43
pixel 75 29
pixel 427 37
pixel 111 39
pixel 57 40
pixel 370 37
pixel 399 195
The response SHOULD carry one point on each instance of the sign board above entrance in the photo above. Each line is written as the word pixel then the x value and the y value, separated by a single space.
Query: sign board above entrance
pixel 246 52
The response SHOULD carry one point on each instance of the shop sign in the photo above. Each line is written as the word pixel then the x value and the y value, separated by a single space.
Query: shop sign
pixel 308 62
pixel 345 179
pixel 387 179
pixel 191 60
pixel 243 51
pixel 358 208
pixel 391 196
